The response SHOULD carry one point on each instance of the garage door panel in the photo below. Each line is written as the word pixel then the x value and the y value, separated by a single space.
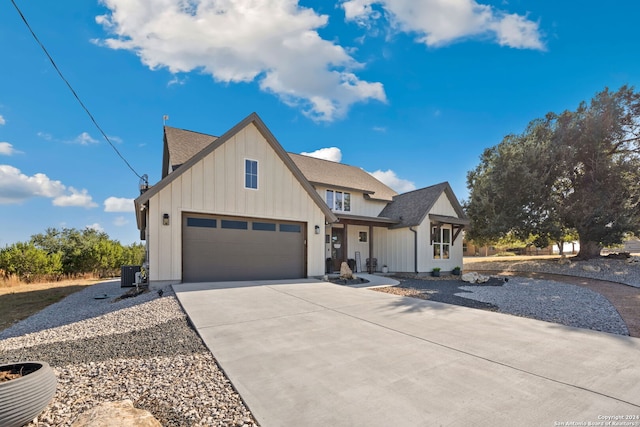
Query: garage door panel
pixel 246 249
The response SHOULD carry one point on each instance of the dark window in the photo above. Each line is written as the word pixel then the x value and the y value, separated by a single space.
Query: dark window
pixel 264 226
pixel 330 198
pixel 362 236
pixel 251 174
pixel 202 222
pixel 236 225
pixel 290 228
pixel 347 202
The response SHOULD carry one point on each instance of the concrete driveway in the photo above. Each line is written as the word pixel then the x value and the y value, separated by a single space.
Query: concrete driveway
pixel 309 353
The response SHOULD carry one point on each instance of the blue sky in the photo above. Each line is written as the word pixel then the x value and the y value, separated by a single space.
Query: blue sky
pixel 410 90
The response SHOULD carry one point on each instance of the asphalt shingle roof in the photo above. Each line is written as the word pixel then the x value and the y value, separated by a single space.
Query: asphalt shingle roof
pixel 340 175
pixel 184 144
pixel 412 207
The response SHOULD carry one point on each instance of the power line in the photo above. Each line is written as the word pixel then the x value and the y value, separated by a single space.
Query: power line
pixel 55 66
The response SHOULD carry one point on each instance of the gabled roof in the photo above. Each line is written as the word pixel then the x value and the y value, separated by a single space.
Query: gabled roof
pixel 341 176
pixel 180 145
pixel 411 208
pixel 213 145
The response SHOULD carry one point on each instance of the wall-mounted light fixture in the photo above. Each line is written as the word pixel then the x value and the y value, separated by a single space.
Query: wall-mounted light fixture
pixel 317 229
pixel 165 219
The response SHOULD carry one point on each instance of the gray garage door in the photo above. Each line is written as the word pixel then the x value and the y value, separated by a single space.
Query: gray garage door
pixel 216 248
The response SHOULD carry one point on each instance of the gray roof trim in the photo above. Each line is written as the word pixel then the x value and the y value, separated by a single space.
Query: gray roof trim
pixel 266 133
pixel 411 208
pixel 445 219
pixel 378 219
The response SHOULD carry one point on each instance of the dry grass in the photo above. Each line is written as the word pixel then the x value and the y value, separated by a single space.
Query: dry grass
pixel 20 300
pixel 473 259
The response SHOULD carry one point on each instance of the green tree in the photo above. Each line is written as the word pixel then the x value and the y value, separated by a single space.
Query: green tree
pixel 88 251
pixel 29 263
pixel 578 171
pixel 134 254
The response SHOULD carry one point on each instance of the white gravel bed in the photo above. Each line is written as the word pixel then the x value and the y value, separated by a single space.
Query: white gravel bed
pixel 614 270
pixel 551 301
pixel 141 349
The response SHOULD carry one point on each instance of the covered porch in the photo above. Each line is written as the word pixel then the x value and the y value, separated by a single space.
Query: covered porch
pixel 351 239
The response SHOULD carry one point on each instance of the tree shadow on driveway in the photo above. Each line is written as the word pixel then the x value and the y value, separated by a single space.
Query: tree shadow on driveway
pixel 439 291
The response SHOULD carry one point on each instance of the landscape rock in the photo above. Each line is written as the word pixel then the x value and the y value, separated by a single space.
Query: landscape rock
pixel 474 277
pixel 633 260
pixel 592 268
pixel 140 349
pixel 345 272
pixel 564 260
pixel 116 414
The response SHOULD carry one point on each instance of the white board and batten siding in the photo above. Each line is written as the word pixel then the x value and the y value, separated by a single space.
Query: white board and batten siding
pixel 215 185
pixel 395 247
pixel 426 261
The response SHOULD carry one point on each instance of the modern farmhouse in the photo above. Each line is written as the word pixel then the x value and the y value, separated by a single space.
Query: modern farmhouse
pixel 239 207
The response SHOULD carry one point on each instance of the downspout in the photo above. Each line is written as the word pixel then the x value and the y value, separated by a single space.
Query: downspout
pixel 415 248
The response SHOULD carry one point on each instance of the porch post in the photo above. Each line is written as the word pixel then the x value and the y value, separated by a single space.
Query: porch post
pixel 345 252
pixel 370 249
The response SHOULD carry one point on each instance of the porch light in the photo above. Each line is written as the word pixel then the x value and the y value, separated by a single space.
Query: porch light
pixel 165 219
pixel 317 229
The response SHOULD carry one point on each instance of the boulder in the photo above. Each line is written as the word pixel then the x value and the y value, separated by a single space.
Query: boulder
pixel 564 260
pixel 345 272
pixel 474 277
pixel 592 268
pixel 116 414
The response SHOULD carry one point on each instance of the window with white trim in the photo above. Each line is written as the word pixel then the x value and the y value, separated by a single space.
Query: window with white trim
pixel 251 174
pixel 441 242
pixel 339 200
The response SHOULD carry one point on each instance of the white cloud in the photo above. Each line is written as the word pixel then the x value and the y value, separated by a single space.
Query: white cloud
pixel 438 22
pixel 392 180
pixel 95 226
pixel 176 81
pixel 16 187
pixel 85 139
pixel 275 43
pixel 120 221
pixel 45 136
pixel 330 153
pixel 118 204
pixel 2 120
pixel 381 129
pixel 7 149
pixel 77 198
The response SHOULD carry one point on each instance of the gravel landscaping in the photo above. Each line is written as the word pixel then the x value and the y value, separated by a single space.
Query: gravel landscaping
pixel 614 270
pixel 141 349
pixel 536 298
pixel 551 301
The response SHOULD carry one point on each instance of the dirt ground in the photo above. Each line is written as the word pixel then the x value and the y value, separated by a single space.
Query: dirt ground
pixel 21 300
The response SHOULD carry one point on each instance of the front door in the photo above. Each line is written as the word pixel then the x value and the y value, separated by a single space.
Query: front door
pixel 337 247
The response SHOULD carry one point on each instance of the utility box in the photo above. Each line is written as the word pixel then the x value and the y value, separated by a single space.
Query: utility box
pixel 128 275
